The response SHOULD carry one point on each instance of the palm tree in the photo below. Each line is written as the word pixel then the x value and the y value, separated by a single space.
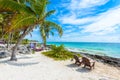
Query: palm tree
pixel 46 28
pixel 25 17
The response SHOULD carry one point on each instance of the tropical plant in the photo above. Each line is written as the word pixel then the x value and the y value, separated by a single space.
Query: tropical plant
pixel 25 41
pixel 59 53
pixel 24 18
pixel 26 15
pixel 46 28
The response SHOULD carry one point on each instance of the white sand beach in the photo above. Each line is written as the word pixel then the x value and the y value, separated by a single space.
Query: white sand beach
pixel 39 67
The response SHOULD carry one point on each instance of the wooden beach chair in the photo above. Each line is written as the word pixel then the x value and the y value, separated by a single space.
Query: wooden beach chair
pixel 77 60
pixel 86 62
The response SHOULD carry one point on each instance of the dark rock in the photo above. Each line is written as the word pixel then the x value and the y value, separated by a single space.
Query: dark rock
pixel 105 59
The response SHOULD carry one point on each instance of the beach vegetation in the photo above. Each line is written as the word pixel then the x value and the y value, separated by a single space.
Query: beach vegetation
pixel 25 41
pixel 23 16
pixel 59 53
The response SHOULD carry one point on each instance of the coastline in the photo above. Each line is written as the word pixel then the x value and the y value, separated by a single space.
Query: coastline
pixel 98 48
pixel 104 59
pixel 113 61
pixel 39 67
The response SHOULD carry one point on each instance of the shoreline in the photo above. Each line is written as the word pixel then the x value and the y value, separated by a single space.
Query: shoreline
pixel 39 67
pixel 102 49
pixel 92 52
pixel 104 59
pixel 100 58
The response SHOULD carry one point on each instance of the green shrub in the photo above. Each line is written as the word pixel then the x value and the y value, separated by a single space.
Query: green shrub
pixel 59 53
pixel 33 52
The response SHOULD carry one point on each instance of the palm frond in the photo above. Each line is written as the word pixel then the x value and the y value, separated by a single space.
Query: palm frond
pixel 13 6
pixel 20 22
pixel 49 13
pixel 38 6
pixel 54 26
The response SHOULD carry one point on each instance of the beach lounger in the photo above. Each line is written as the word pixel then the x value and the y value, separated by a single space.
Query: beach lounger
pixel 86 62
pixel 77 60
pixel 39 49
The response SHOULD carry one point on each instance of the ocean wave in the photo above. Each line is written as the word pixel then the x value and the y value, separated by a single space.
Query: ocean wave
pixel 86 51
pixel 101 49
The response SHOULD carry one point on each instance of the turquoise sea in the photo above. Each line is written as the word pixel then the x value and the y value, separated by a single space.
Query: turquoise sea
pixel 104 49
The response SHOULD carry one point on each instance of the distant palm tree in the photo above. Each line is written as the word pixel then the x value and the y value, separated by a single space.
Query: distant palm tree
pixel 46 28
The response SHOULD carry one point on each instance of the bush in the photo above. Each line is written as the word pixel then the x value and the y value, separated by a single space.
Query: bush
pixel 59 53
pixel 33 52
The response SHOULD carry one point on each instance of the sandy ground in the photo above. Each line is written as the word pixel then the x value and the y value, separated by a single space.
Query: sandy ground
pixel 39 67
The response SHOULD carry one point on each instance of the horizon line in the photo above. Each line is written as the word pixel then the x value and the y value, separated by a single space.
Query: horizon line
pixel 83 42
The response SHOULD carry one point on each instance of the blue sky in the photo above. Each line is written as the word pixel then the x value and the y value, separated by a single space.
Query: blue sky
pixel 84 21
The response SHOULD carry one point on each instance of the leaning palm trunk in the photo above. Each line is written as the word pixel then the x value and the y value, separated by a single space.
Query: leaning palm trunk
pixel 2 29
pixel 13 56
pixel 44 42
pixel 11 39
pixel 8 42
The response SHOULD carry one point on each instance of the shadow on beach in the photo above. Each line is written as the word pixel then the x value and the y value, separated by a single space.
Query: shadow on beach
pixel 25 57
pixel 72 65
pixel 16 63
pixel 83 70
pixel 78 68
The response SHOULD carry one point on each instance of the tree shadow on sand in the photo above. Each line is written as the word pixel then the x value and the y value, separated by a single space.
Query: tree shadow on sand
pixel 72 65
pixel 83 70
pixel 16 63
pixel 25 57
pixel 78 68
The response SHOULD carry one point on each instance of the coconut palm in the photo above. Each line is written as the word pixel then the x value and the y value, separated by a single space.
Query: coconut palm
pixel 46 28
pixel 25 17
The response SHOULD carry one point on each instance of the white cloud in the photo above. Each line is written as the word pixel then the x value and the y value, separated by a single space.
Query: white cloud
pixel 79 8
pixel 107 38
pixel 79 4
pixel 105 23
pixel 69 30
pixel 104 27
pixel 73 20
pixel 75 37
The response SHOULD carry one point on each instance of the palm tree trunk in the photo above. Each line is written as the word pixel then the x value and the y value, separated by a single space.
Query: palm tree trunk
pixel 45 42
pixel 2 29
pixel 8 42
pixel 13 56
pixel 11 38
